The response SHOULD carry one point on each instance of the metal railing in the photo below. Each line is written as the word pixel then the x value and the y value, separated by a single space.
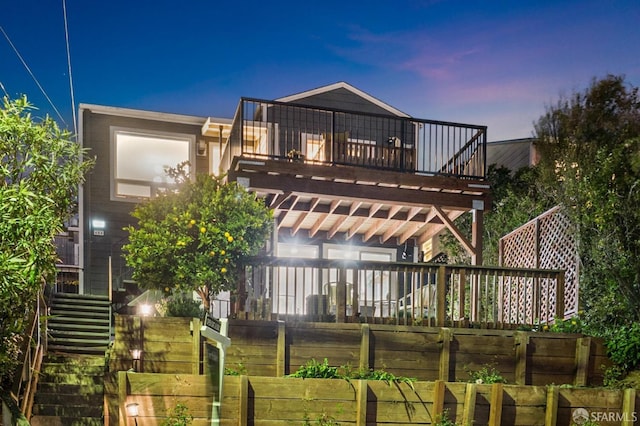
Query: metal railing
pixel 294 132
pixel 401 293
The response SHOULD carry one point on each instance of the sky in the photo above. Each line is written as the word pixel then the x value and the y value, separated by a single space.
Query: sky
pixel 493 63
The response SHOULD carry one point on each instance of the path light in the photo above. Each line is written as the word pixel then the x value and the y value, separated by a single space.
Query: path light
pixel 145 309
pixel 136 355
pixel 132 411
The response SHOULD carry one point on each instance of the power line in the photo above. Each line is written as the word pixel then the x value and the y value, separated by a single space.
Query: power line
pixel 66 35
pixel 32 75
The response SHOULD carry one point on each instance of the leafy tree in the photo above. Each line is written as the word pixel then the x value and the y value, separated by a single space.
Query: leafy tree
pixel 194 238
pixel 516 200
pixel 590 162
pixel 40 170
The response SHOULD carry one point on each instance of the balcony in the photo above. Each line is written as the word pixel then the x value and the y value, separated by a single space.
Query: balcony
pixel 401 293
pixel 292 132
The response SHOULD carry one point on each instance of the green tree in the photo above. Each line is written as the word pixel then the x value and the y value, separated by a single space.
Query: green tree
pixel 194 238
pixel 516 200
pixel 40 170
pixel 590 161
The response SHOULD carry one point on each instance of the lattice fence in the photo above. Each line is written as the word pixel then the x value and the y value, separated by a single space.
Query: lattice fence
pixel 546 242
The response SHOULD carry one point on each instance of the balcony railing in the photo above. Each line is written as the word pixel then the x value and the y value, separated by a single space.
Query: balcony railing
pixel 401 293
pixel 269 129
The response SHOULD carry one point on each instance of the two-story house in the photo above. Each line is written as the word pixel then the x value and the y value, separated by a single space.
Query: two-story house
pixel 347 175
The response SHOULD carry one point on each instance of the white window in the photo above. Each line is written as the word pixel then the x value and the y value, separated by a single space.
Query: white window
pixel 139 160
pixel 313 146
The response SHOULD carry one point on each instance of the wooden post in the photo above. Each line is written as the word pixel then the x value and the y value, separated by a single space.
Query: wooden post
pixel 361 402
pixel 551 412
pixel 341 296
pixel 469 409
pixel 560 296
pixel 364 347
pixel 438 398
pixel 583 351
pixel 243 401
pixel 521 343
pixel 495 408
pixel 196 350
pixel 122 398
pixel 281 350
pixel 629 407
pixel 444 339
pixel 440 296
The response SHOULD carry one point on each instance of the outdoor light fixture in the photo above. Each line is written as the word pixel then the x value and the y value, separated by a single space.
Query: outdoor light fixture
pixel 136 355
pixel 202 148
pixel 98 224
pixel 145 309
pixel 132 411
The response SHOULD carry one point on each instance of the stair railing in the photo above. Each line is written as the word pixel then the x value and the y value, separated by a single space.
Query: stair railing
pixel 32 351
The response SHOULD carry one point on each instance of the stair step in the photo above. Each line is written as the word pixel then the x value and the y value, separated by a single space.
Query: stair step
pixel 67 410
pixel 47 388
pixel 79 360
pixel 72 379
pixel 74 296
pixel 95 370
pixel 67 349
pixel 55 312
pixel 72 328
pixel 80 307
pixel 56 397
pixel 94 334
pixel 67 319
pixel 65 421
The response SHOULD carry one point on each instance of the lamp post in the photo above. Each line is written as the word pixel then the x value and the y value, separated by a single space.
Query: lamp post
pixel 132 411
pixel 136 355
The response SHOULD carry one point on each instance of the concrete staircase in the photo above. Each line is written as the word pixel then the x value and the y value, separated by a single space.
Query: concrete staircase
pixel 70 391
pixel 79 324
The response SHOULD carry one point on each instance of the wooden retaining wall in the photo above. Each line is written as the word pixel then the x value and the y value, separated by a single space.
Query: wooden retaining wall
pixel 273 348
pixel 249 400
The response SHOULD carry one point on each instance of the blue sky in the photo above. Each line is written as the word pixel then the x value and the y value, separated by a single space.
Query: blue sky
pixel 480 62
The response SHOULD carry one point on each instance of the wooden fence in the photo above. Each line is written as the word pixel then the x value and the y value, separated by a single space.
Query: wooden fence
pixel 275 348
pixel 270 400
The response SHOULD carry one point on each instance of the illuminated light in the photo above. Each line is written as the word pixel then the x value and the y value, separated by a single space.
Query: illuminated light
pixel 98 223
pixel 145 310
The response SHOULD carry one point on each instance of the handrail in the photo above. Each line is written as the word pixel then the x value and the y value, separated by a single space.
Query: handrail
pixel 403 293
pixel 32 352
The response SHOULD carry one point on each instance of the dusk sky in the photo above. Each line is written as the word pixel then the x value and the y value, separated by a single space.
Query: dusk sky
pixel 480 62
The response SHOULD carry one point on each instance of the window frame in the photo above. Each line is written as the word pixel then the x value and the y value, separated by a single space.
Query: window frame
pixel 114 131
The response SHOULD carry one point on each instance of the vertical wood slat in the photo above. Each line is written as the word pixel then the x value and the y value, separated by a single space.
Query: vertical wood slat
pixel 495 408
pixel 243 401
pixel 440 297
pixel 629 407
pixel 551 411
pixel 122 398
pixel 444 339
pixel 521 348
pixel 438 398
pixel 583 352
pixel 197 346
pixel 469 408
pixel 364 347
pixel 361 401
pixel 281 350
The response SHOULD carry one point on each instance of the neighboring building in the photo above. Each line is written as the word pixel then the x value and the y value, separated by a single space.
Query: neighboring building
pixel 512 153
pixel 347 175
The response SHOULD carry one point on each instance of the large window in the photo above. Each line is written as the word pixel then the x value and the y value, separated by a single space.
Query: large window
pixel 139 160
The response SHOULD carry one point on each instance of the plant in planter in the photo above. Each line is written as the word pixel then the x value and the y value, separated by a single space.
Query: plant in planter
pixel 193 238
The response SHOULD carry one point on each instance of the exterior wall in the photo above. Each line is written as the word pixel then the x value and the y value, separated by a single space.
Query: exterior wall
pixel 342 99
pixel 96 199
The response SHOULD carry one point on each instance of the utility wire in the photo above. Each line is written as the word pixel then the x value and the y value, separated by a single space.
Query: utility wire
pixel 32 76
pixel 66 35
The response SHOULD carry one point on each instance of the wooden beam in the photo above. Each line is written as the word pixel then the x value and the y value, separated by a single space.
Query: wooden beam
pixel 354 229
pixel 342 190
pixel 415 229
pixel 454 230
pixel 316 226
pixel 392 212
pixel 283 213
pixel 296 226
pixel 278 199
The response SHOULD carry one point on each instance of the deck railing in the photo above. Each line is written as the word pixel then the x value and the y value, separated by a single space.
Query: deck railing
pixel 293 132
pixel 401 293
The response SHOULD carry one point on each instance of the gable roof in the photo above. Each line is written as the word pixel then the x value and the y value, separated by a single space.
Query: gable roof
pixel 350 88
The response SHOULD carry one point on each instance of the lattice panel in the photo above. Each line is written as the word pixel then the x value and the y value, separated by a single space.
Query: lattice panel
pixel 545 242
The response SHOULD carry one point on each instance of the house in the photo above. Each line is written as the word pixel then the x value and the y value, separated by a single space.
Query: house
pixel 347 175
